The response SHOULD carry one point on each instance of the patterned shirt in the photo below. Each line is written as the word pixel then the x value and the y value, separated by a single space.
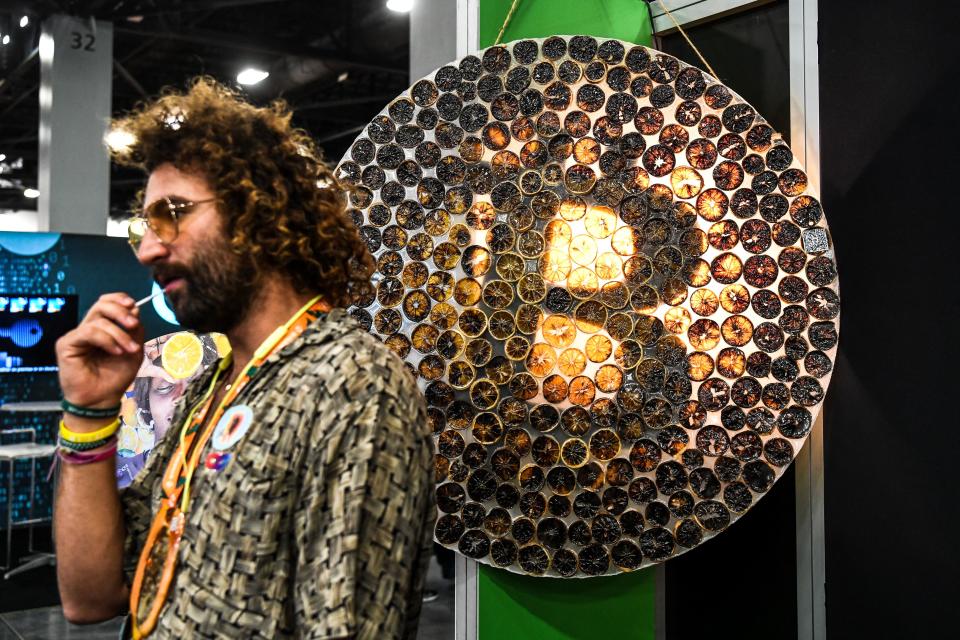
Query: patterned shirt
pixel 320 525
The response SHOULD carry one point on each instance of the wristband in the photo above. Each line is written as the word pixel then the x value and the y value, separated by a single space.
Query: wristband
pixel 85 446
pixel 72 457
pixel 88 412
pixel 83 438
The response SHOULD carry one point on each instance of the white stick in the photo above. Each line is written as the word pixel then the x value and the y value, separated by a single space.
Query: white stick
pixel 140 303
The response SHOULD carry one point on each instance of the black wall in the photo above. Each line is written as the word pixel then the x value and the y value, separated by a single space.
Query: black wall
pixel 889 117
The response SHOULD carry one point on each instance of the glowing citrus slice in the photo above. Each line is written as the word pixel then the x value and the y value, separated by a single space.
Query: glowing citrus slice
pixel 555 389
pixel 475 261
pixel 582 391
pixel 704 334
pixel 559 331
pixel 583 250
pixel 686 182
pixel 182 355
pixel 443 315
pixel 609 378
pixel 574 453
pixel 467 292
pixel 735 298
pixel 626 241
pixel 696 273
pixel 557 234
pixel 600 221
pixel 541 359
pixel 590 316
pixel 598 348
pixel 704 302
pixel 737 330
pixel 516 348
pixel 699 366
pixel 582 283
pixel 440 285
pixel 554 265
pixel 677 320
pixel 222 343
pixel 573 208
pixel 424 338
pixel 572 362
pixel 609 266
pixel 731 363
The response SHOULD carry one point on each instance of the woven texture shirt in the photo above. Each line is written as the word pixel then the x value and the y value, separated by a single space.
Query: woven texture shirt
pixel 320 525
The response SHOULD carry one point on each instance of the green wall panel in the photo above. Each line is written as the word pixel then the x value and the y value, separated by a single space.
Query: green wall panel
pixel 515 606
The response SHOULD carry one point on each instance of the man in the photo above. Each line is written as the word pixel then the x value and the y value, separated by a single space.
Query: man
pixel 292 497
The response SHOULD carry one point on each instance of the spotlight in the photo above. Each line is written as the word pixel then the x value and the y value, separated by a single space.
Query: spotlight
pixel 6 40
pixel 3 157
pixel 400 6
pixel 24 21
pixel 31 193
pixel 251 76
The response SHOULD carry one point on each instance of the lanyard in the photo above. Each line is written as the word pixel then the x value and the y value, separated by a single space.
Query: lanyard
pixel 179 472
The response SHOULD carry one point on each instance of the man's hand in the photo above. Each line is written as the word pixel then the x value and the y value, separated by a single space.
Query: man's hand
pixel 100 358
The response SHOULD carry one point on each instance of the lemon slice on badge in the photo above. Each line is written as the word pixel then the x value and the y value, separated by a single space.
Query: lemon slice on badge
pixel 222 343
pixel 182 355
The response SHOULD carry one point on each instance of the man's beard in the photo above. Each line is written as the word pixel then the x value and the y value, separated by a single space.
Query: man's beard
pixel 218 291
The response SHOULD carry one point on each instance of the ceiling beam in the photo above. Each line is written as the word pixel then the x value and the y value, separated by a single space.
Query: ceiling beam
pixel 245 42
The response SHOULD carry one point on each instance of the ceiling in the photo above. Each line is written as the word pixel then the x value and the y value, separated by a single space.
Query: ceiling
pixel 337 62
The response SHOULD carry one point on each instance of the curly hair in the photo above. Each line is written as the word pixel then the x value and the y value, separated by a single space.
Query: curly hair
pixel 281 204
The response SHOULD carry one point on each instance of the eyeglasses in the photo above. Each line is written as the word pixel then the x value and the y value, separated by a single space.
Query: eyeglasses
pixel 161 217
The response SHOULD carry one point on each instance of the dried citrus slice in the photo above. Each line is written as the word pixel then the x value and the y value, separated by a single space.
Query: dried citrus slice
pixel 529 318
pixel 424 338
pixel 499 369
pixel 541 359
pixel 619 326
pixel 531 244
pixel 583 250
pixel 440 285
pixel 704 334
pixel 414 275
pixel 600 221
pixel 582 391
pixel 487 428
pixel 735 298
pixel 182 355
pixel 598 348
pixel 572 362
pixel 605 444
pixel 431 367
pixel 555 265
pixel 390 292
pixel 573 208
pixel 531 288
pixel 416 305
pixel 686 182
pixel 479 351
pixel 510 267
pixel 582 283
pixel 555 389
pixel 609 378
pixel 545 451
pixel 443 315
pixel 502 325
pixel 608 266
pixel 467 292
pixel 574 453
pixel 614 295
pixel 726 268
pixel 696 273
pixel 590 316
pixel 626 241
pixel 704 302
pixel 523 386
pixel 459 235
pixel 559 330
pixel 475 261
pixel 484 394
pixel 450 344
pixel 677 320
pixel 712 204
pixel 699 366
pixel 498 294
pixel 731 363
pixel 446 255
pixel 460 374
pixel 516 348
pixel 737 330
pixel 473 322
pixel 399 344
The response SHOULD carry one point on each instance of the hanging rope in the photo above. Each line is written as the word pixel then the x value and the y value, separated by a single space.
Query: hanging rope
pixel 503 28
pixel 685 37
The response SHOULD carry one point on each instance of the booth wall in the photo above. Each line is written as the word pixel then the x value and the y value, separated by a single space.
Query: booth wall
pixel 888 128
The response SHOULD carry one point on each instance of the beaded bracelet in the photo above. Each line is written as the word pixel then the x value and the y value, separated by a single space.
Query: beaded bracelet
pixel 85 446
pixel 72 457
pixel 93 436
pixel 88 412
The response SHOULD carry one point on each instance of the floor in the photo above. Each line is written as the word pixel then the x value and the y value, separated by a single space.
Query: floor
pixel 36 588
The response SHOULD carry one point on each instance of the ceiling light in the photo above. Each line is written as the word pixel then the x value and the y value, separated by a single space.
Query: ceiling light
pixel 6 40
pixel 31 193
pixel 24 21
pixel 400 6
pixel 251 76
pixel 343 76
pixel 3 157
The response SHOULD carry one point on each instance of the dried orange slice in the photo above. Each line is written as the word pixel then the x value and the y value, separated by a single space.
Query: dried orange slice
pixel 467 292
pixel 424 338
pixel 516 348
pixel 472 322
pixel 586 151
pixel 502 325
pixel 443 315
pixel 545 451
pixel 475 261
pixel 523 386
pixel 609 378
pixel 677 320
pixel 416 305
pixel 484 394
pixel 704 334
pixel 609 266
pixel 627 241
pixel 510 267
pixel 600 221
pixel 399 344
pixel 446 255
pixel 699 366
pixel 459 235
pixel 479 351
pixel 487 428
pixel 696 273
pixel 598 348
pixel 518 441
pixel 531 288
pixel 555 265
pixel 704 302
pixel 531 244
pixel 572 362
pixel 574 453
pixel 460 374
pixel 726 268
pixel 712 205
pixel 582 391
pixel 529 318
pixel 583 250
pixel 686 182
pixel 735 298
pixel 614 295
pixel 555 389
pixel 437 222
pixel 182 355
pixel 541 359
pixel 590 316
pixel 559 331
pixel 557 234
pixel 431 367
pixel 450 344
pixel 619 326
pixel 737 330
pixel 573 208
pixel 499 369
pixel 498 294
pixel 440 285
pixel 605 444
pixel 582 283
pixel 731 363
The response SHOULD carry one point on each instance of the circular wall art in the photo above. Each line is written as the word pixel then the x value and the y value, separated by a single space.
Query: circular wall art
pixel 617 294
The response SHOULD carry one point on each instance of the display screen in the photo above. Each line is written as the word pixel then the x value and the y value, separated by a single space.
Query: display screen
pixel 29 328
